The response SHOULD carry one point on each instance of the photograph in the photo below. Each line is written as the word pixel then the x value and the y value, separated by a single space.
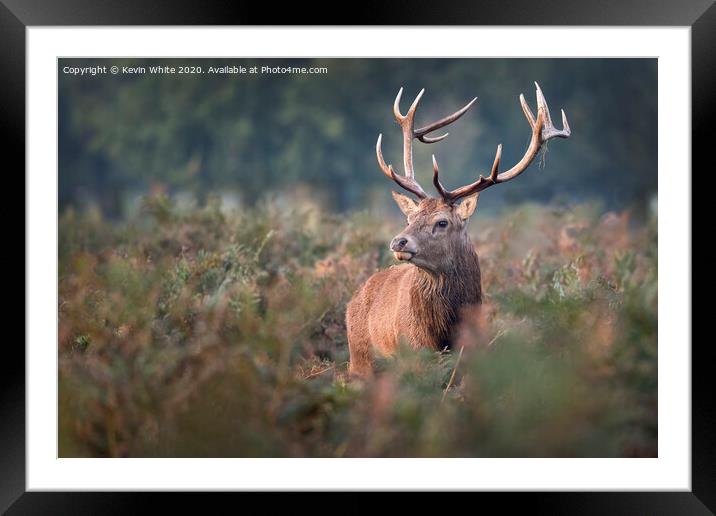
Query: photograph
pixel 357 257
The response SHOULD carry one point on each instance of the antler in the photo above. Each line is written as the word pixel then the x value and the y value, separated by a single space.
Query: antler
pixel 406 123
pixel 542 130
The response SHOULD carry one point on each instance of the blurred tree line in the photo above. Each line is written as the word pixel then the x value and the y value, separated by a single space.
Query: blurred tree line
pixel 123 135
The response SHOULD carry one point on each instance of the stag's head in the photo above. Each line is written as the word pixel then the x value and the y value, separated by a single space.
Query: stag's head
pixel 436 229
pixel 435 232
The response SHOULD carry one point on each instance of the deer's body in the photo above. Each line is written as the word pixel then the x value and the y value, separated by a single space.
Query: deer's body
pixel 407 303
pixel 420 301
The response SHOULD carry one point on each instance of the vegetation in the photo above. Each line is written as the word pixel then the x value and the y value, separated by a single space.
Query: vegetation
pixel 208 332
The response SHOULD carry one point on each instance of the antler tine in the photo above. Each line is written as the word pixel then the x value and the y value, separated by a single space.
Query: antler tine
pixel 496 164
pixel 387 169
pixel 436 180
pixel 420 134
pixel 542 131
pixel 527 111
pixel 396 105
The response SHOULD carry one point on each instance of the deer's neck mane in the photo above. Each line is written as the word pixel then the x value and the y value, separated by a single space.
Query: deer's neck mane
pixel 436 298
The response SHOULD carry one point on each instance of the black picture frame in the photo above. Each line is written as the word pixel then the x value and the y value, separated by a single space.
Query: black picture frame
pixel 17 15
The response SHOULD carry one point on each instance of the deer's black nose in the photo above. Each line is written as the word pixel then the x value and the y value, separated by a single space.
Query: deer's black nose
pixel 398 243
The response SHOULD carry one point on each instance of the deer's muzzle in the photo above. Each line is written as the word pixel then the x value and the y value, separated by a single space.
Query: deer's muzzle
pixel 403 248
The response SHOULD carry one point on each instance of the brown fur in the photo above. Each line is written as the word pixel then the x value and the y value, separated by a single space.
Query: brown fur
pixel 420 301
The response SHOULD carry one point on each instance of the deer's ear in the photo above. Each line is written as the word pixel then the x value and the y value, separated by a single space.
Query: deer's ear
pixel 467 207
pixel 405 203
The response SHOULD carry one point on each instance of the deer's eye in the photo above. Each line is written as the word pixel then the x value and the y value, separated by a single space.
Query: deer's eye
pixel 442 223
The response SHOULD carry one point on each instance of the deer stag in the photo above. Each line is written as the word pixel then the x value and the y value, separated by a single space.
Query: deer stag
pixel 420 300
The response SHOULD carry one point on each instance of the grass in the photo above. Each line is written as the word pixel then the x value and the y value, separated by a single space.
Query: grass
pixel 197 333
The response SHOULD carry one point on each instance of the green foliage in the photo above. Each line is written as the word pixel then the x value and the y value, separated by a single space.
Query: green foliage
pixel 203 332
